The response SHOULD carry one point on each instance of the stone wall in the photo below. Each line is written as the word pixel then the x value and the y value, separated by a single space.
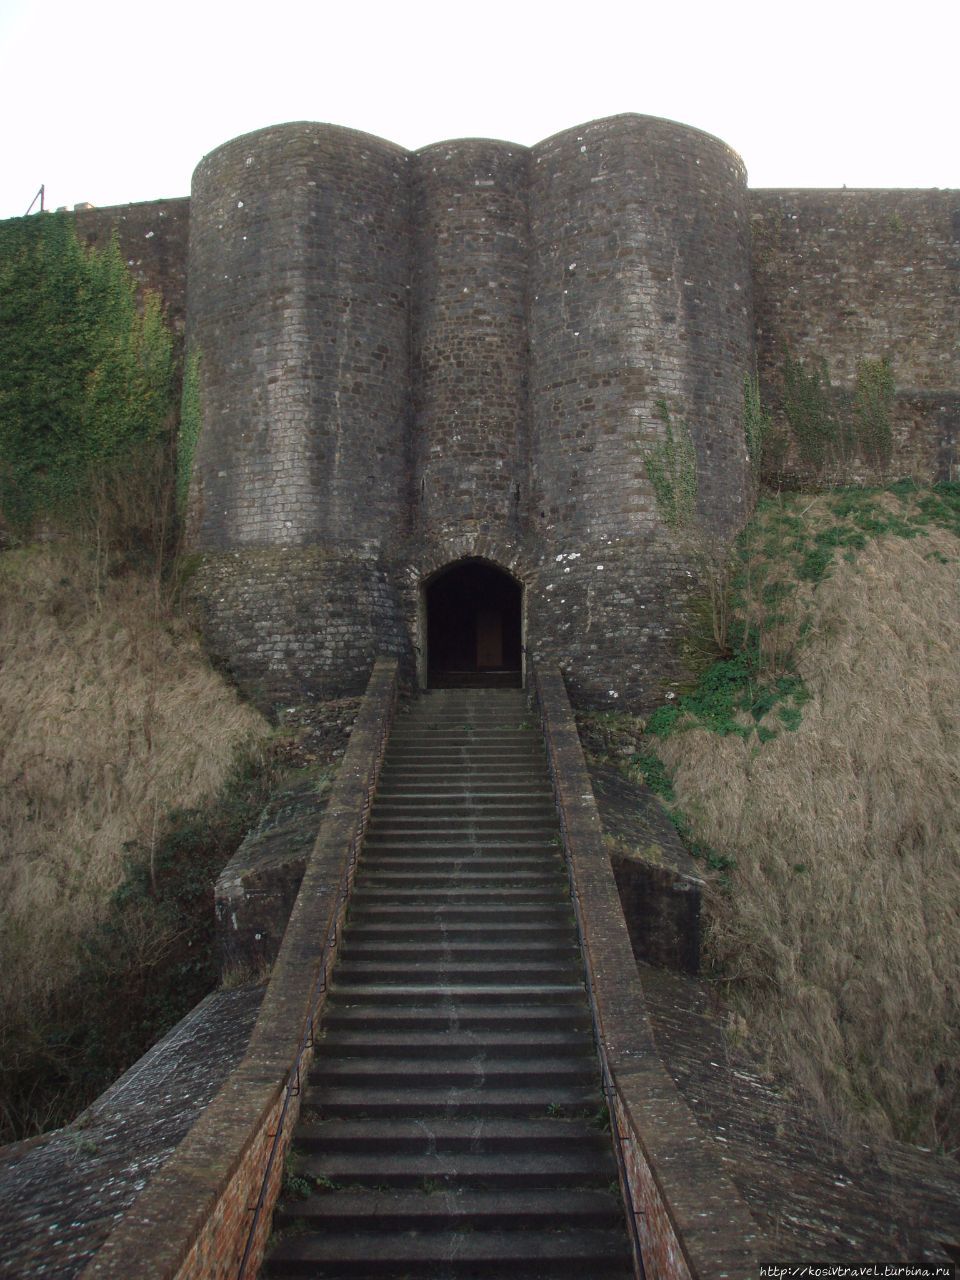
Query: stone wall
pixel 846 275
pixel 153 241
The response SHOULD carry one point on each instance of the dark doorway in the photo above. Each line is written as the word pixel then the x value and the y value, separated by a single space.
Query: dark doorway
pixel 474 627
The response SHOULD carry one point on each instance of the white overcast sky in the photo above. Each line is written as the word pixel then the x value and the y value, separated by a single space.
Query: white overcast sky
pixel 115 102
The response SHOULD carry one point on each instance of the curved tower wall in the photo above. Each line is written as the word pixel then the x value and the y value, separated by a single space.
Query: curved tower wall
pixel 469 350
pixel 298 309
pixel 640 293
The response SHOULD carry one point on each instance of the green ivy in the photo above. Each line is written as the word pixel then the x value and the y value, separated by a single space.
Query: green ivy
pixel 809 409
pixel 873 406
pixel 190 414
pixel 671 466
pixel 756 424
pixel 828 428
pixel 86 375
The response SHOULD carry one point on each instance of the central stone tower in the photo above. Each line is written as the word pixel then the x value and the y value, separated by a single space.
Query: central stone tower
pixel 428 384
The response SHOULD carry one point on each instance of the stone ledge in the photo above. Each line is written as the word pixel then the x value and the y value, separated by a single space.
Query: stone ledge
pixel 63 1193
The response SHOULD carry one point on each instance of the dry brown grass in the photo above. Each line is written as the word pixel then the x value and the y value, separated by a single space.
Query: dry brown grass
pixel 839 938
pixel 109 716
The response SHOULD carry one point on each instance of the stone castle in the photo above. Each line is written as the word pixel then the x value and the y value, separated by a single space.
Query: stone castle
pixel 429 382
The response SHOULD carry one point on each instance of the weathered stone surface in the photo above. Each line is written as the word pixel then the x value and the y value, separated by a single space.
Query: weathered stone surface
pixel 820 1201
pixel 152 238
pixel 660 890
pixel 256 890
pixel 62 1194
pixel 846 275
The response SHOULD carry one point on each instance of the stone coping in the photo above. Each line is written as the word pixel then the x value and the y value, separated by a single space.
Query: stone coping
pixel 692 1222
pixel 194 1217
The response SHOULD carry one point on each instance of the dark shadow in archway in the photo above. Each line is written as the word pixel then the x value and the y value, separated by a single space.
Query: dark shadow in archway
pixel 474 627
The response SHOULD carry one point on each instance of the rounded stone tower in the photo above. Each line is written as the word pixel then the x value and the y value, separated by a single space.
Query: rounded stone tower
pixel 298 313
pixel 640 324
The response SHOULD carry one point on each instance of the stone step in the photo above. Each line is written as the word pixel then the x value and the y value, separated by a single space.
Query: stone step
pixel 442 823
pixel 496 790
pixel 462 953
pixel 456 1043
pixel 466 1015
pixel 499 933
pixel 458 896
pixel 507 972
pixel 490 1101
pixel 531 799
pixel 476 914
pixel 425 1072
pixel 456 873
pixel 448 818
pixel 451 1255
pixel 436 842
pixel 446 1135
pixel 410 860
pixel 462 1210
pixel 586 1165
pixel 452 993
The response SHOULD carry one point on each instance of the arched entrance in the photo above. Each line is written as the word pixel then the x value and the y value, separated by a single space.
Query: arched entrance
pixel 474 627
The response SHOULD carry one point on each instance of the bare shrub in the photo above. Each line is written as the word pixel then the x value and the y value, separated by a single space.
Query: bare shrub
pixel 838 936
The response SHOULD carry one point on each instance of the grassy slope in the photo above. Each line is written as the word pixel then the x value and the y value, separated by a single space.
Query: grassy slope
pixel 836 930
pixel 109 717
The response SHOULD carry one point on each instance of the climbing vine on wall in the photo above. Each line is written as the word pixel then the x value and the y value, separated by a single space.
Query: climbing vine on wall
pixel 86 376
pixel 189 428
pixel 671 466
pixel 873 406
pixel 831 429
pixel 809 409
pixel 756 424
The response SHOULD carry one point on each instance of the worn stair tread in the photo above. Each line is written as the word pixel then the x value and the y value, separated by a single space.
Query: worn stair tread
pixel 456 1045
pixel 405 1210
pixel 450 1133
pixel 463 990
pixel 338 1099
pixel 500 1248
pixel 386 1014
pixel 447 1073
pixel 585 1164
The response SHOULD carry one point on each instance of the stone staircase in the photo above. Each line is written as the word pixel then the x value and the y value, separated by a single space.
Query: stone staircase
pixel 452 1124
